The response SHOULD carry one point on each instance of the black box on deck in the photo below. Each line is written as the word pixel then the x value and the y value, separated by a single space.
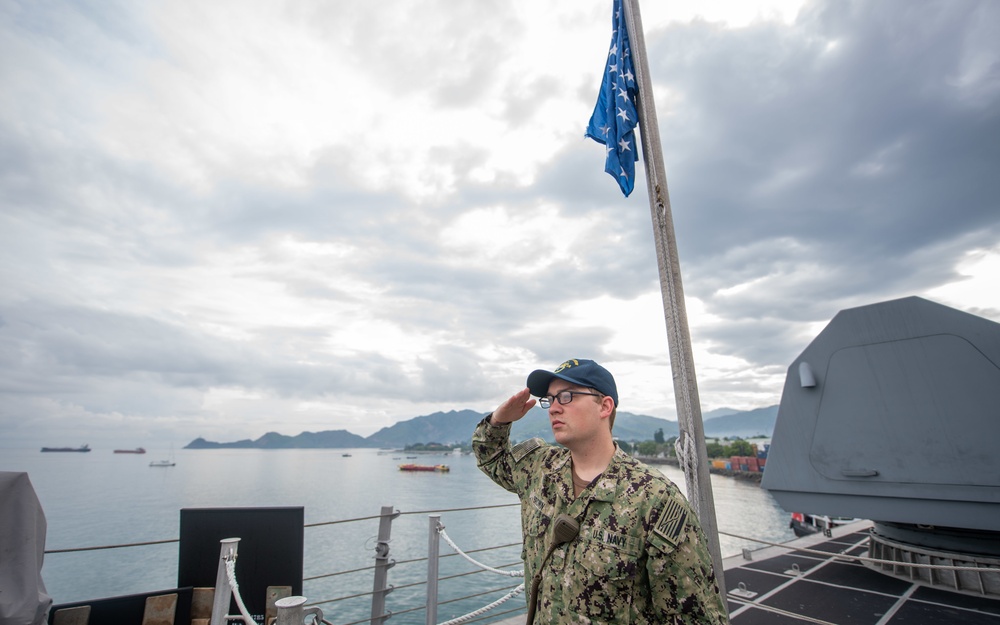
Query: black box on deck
pixel 269 551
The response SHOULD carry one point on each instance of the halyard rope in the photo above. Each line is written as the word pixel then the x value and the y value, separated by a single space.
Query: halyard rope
pixel 686 454
pixel 485 608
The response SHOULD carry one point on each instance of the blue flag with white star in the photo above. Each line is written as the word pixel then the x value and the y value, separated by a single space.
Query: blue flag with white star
pixel 614 119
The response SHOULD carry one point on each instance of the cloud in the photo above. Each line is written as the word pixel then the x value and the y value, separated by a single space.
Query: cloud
pixel 220 220
pixel 836 152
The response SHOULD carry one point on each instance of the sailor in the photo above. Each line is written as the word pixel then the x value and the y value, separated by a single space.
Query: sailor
pixel 636 553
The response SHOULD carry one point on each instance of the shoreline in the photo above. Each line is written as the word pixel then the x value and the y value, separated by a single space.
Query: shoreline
pixel 748 476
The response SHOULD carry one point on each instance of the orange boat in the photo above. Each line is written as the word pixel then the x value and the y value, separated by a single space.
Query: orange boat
pixel 424 467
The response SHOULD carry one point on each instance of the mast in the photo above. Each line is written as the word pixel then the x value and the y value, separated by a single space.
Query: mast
pixel 691 442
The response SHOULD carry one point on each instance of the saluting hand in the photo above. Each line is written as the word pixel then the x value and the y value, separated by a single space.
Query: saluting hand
pixel 514 408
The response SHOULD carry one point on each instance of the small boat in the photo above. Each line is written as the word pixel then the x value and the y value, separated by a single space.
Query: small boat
pixel 81 448
pixel 424 467
pixel 137 450
pixel 807 524
pixel 345 455
pixel 165 463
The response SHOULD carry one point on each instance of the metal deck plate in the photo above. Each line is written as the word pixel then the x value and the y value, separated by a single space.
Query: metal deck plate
pixel 835 591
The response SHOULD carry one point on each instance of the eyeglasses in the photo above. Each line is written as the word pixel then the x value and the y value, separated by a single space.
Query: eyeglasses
pixel 563 397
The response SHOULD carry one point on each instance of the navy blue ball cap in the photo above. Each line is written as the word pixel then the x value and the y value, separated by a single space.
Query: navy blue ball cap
pixel 586 373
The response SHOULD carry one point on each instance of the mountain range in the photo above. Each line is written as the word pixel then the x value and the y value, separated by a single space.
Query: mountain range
pixel 455 428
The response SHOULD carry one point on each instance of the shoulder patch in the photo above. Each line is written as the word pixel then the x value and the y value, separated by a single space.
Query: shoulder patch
pixel 524 448
pixel 673 519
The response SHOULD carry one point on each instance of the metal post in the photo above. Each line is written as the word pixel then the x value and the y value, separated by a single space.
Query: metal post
pixel 382 565
pixel 692 433
pixel 433 551
pixel 291 611
pixel 223 591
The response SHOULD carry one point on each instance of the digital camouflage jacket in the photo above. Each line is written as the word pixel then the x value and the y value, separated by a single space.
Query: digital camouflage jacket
pixel 640 556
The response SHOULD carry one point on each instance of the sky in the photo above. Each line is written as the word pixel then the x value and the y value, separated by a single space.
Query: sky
pixel 221 219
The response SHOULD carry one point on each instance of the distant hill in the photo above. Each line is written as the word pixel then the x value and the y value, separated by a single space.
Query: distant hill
pixel 718 412
pixel 329 439
pixel 628 427
pixel 455 428
pixel 759 422
pixel 452 427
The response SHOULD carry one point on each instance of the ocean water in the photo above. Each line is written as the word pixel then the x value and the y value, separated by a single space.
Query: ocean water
pixel 100 498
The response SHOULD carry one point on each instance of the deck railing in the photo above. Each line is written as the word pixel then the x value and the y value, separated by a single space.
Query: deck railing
pixel 394 588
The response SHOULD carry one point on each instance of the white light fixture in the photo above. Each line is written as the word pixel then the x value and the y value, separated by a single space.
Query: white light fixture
pixel 806 377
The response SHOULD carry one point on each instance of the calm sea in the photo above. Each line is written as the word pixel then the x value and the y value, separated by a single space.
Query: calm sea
pixel 101 498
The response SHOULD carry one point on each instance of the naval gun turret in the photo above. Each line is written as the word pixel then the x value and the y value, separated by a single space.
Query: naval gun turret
pixel 892 414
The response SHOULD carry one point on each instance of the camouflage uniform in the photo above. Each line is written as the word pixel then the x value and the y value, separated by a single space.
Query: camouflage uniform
pixel 640 556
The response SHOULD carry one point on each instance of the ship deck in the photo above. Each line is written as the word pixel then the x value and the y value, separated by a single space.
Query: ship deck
pixel 832 590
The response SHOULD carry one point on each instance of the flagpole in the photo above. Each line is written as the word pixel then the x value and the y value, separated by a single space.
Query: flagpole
pixel 691 442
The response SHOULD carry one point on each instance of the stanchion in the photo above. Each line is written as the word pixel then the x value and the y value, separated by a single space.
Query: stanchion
pixel 223 591
pixel 433 553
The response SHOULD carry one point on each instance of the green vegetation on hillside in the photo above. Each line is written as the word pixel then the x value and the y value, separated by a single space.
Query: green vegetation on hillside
pixel 430 447
pixel 659 446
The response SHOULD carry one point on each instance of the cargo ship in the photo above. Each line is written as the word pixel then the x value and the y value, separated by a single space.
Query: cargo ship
pixel 424 467
pixel 82 448
pixel 137 450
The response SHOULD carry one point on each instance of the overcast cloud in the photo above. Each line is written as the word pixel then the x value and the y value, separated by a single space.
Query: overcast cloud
pixel 222 219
